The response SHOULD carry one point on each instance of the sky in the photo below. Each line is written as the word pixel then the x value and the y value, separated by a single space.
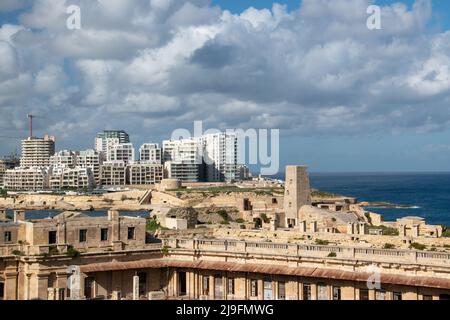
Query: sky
pixel 345 98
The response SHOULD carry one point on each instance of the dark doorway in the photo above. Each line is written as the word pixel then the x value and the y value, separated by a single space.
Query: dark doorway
pixel 182 284
pixel 247 205
pixel 142 284
pixel 2 290
pixel 258 223
pixel 89 288
pixel 51 237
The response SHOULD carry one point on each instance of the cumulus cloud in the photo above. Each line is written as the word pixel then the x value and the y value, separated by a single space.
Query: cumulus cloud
pixel 151 66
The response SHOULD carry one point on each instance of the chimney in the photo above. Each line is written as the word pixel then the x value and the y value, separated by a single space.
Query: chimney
pixel 19 215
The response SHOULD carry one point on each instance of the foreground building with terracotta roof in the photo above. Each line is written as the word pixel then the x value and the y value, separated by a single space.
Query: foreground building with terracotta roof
pixel 77 256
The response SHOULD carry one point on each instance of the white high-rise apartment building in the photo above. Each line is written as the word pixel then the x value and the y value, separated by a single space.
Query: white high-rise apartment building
pixel 90 159
pixel 150 153
pixel 114 173
pixel 63 158
pixel 220 154
pixel 121 152
pixel 183 159
pixel 36 152
pixel 64 178
pixel 26 179
pixel 102 138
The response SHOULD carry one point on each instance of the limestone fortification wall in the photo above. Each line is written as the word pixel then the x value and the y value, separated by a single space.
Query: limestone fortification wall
pixel 363 240
pixel 127 199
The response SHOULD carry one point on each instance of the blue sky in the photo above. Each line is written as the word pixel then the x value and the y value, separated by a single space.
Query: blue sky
pixel 441 7
pixel 344 99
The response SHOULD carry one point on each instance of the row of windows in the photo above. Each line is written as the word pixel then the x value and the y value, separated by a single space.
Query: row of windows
pixel 322 290
pixel 82 235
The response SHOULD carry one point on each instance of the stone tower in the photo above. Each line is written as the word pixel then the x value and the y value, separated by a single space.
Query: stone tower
pixel 297 193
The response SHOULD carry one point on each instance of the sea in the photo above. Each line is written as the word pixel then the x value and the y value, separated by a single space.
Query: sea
pixel 48 214
pixel 427 195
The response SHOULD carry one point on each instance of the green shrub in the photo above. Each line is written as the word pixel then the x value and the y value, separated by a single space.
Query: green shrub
pixel 446 232
pixel 417 246
pixel 321 242
pixel 332 255
pixel 17 253
pixel 165 250
pixel 72 252
pixel 224 215
pixel 265 218
pixel 240 220
pixel 389 246
pixel 53 250
pixel 153 225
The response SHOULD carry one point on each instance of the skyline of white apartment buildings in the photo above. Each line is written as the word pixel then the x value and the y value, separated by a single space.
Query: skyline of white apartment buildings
pixel 182 159
pixel 220 153
pixel 36 152
pixel 150 153
pixel 210 157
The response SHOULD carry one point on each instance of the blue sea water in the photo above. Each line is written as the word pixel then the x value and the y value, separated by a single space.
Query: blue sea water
pixel 427 193
pixel 43 214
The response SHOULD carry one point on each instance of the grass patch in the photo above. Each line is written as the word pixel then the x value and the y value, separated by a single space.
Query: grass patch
pixel 323 194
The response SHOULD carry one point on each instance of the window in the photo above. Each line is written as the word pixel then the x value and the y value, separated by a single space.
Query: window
pixel 322 292
pixel 83 235
pixel 2 290
pixel 380 295
pixel 307 292
pixel 51 237
pixel 8 236
pixel 182 283
pixel 427 297
pixel 205 285
pixel 218 287
pixel 336 293
pixel 397 296
pixel 104 235
pixel 281 290
pixel 254 288
pixel 61 294
pixel 230 288
pixel 363 294
pixel 131 233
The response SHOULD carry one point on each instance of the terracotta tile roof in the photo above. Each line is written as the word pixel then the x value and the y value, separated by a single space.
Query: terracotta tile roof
pixel 318 273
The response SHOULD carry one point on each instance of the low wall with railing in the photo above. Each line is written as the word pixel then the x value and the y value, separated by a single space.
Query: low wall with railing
pixel 313 251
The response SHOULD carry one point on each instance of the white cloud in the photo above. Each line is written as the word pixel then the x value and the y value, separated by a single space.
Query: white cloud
pixel 142 64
